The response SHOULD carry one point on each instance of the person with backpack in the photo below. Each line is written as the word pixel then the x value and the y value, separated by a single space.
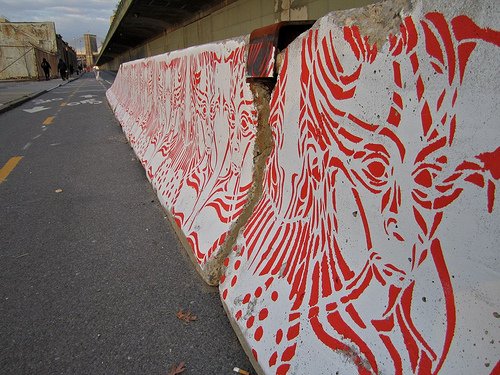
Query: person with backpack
pixel 62 69
pixel 46 68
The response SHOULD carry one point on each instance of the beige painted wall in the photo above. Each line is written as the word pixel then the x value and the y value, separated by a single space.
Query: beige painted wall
pixel 19 43
pixel 41 34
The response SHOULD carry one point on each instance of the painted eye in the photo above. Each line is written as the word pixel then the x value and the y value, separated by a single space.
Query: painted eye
pixel 374 172
pixel 376 168
pixel 424 178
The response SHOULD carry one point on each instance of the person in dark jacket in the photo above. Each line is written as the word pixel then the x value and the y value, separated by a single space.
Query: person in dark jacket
pixel 62 69
pixel 46 68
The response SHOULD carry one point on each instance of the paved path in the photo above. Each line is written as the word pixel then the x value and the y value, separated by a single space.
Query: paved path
pixel 91 273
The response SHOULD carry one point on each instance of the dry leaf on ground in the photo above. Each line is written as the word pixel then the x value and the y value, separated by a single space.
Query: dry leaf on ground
pixel 177 369
pixel 187 317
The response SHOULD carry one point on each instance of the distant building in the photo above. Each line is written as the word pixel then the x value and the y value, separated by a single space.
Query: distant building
pixel 25 44
pixel 87 55
pixel 91 51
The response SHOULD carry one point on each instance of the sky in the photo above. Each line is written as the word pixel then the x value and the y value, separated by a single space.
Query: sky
pixel 73 18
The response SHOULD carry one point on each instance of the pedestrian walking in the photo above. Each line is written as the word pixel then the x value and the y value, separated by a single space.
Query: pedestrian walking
pixel 46 68
pixel 62 69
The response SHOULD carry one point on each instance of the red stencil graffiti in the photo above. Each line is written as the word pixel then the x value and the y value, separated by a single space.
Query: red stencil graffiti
pixel 190 118
pixel 360 159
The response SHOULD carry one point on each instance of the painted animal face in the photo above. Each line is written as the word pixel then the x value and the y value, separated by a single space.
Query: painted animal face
pixel 355 209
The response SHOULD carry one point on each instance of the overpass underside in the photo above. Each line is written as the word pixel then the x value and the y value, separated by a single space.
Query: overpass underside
pixel 144 28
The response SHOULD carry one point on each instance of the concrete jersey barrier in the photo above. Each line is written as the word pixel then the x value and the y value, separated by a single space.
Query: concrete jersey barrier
pixel 373 248
pixel 190 119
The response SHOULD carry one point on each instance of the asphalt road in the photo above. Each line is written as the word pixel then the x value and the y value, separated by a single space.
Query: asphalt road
pixel 91 273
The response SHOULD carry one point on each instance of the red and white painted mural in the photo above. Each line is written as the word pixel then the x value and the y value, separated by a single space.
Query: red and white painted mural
pixel 375 246
pixel 190 118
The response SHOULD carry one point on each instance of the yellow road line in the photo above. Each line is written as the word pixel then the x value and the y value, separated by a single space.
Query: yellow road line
pixel 8 167
pixel 48 120
pixel 63 104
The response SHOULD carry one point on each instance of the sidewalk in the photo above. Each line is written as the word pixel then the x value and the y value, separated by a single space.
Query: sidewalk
pixel 15 93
